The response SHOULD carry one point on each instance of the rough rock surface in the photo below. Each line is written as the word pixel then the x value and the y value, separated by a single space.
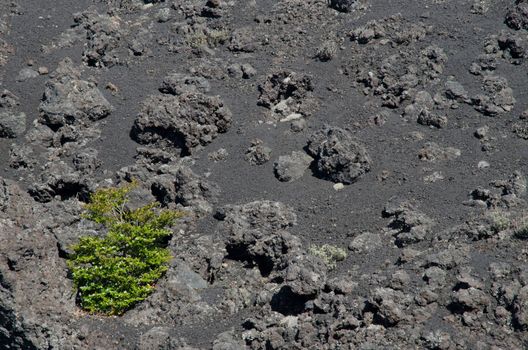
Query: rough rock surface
pixel 183 122
pixel 287 93
pixel 352 172
pixel 69 100
pixel 338 156
pixel 12 123
pixel 257 153
pixel 292 167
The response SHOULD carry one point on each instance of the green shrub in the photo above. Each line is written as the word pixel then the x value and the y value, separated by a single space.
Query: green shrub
pixel 209 37
pixel 500 221
pixel 521 227
pixel 329 254
pixel 114 272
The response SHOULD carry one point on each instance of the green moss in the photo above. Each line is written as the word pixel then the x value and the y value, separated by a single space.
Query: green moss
pixel 114 272
pixel 329 254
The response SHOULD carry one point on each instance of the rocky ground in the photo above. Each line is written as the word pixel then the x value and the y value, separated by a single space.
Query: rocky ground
pixel 395 130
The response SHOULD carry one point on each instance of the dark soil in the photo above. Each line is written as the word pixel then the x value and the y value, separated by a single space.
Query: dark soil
pixel 392 130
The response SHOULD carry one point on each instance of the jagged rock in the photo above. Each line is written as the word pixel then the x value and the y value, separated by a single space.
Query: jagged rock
pixel 177 84
pixel 255 232
pixel 86 161
pixel 438 340
pixel 228 341
pixel 21 157
pixel 176 301
pixel 139 43
pixel 242 40
pixel 398 76
pixel 305 276
pixel 245 71
pixel 179 185
pixel 422 103
pixel 10 195
pixel 33 278
pixel 156 338
pixel 515 185
pixel 499 98
pixel 517 18
pixel 219 155
pixel 512 45
pixel 400 280
pixel 389 306
pixel 365 242
pixel 12 124
pixel 410 225
pixel 103 34
pixel 446 259
pixel 164 15
pixel 292 167
pixel 248 71
pixel 432 152
pixel 470 299
pixel 338 156
pixel 186 282
pixel 285 88
pixel 213 9
pixel 58 179
pixel 455 91
pixel 341 285
pixel 138 197
pixel 343 5
pixel 520 309
pixel 184 122
pixel 435 276
pixel 8 100
pixel 504 193
pixel 395 28
pixel 521 128
pixel 428 119
pixel 257 153
pixel 69 100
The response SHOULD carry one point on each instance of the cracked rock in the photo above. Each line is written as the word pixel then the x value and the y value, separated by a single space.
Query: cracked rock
pixel 338 156
pixel 69 100
pixel 257 153
pixel 292 167
pixel 183 122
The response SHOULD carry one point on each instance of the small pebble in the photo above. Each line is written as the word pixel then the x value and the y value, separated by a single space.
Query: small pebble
pixel 482 132
pixel 339 186
pixel 483 164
